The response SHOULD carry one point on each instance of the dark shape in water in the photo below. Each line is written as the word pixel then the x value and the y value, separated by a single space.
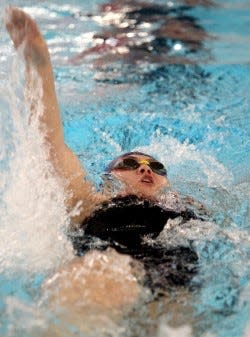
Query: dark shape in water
pixel 124 223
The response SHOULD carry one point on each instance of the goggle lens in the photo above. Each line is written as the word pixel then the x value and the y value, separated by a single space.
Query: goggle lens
pixel 127 163
pixel 158 168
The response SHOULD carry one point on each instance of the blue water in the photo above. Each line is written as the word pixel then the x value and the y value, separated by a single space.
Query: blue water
pixel 192 114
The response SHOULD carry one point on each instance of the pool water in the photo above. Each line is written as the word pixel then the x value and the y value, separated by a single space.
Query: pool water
pixel 138 85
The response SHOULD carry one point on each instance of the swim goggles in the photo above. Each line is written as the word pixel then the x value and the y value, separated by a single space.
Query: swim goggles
pixel 133 164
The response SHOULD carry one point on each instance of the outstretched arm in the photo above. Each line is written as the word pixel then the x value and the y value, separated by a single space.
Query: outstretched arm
pixel 27 37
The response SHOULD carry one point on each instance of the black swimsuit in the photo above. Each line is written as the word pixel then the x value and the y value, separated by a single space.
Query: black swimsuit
pixel 125 224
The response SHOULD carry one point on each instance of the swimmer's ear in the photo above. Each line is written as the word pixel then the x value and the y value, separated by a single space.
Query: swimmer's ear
pixel 167 186
pixel 167 183
pixel 110 184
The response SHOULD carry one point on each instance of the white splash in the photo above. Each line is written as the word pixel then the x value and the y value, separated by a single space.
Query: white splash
pixel 32 212
pixel 165 330
pixel 188 162
pixel 23 318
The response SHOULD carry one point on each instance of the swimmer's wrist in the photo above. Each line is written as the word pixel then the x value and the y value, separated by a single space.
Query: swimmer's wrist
pixel 37 53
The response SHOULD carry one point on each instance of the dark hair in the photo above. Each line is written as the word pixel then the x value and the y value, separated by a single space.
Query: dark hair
pixel 114 161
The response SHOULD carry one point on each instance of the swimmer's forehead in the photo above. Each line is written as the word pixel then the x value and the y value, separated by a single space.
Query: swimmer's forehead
pixel 137 156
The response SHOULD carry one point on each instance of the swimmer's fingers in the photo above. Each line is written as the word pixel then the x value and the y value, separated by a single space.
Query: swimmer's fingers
pixel 24 33
pixel 20 26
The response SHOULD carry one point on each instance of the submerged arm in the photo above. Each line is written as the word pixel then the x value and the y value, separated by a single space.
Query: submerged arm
pixel 28 39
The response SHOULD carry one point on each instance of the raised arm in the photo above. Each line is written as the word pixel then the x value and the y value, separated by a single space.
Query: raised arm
pixel 27 38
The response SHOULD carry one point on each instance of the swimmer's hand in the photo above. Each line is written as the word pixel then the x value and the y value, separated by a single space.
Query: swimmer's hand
pixel 26 35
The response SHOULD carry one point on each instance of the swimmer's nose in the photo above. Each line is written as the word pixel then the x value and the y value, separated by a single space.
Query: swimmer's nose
pixel 144 169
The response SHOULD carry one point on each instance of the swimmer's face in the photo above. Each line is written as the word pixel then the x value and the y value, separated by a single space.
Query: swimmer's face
pixel 143 180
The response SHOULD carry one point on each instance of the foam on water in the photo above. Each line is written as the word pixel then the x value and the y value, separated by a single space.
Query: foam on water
pixel 33 217
pixel 183 157
pixel 166 331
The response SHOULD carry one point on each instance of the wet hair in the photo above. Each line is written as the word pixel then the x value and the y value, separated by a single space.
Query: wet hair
pixel 111 165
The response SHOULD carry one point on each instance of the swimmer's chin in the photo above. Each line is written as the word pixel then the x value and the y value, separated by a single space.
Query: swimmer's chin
pixel 145 194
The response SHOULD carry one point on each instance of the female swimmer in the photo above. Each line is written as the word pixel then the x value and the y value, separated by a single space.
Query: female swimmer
pixel 122 222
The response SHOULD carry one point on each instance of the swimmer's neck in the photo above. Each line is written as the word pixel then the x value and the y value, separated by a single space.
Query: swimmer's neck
pixel 124 194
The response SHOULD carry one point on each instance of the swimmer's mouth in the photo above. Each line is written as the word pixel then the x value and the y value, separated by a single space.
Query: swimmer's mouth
pixel 147 180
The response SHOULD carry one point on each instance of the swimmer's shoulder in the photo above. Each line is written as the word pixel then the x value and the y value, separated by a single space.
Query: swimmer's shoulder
pixel 180 203
pixel 84 210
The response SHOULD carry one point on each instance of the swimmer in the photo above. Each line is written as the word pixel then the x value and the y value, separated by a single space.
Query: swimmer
pixel 123 221
pixel 123 38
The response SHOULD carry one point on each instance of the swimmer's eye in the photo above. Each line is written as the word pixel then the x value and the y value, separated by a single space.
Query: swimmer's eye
pixel 158 168
pixel 127 164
